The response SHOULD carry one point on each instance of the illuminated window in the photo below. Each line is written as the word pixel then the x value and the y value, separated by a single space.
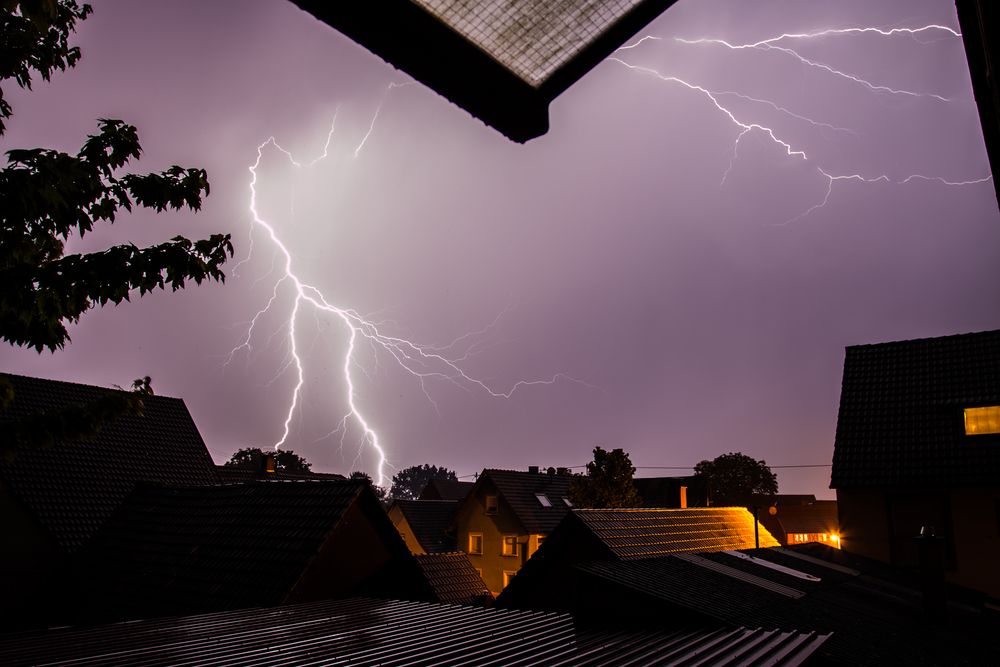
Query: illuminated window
pixel 541 538
pixel 479 571
pixel 509 545
pixel 543 499
pixel 475 543
pixel 981 421
pixel 507 576
pixel 492 504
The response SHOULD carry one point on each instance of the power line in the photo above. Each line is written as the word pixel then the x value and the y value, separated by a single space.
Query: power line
pixel 779 467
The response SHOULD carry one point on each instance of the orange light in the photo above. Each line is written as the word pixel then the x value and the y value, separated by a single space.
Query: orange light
pixel 981 421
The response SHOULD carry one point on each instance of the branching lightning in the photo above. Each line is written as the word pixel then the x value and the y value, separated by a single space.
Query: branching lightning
pixel 422 362
pixel 745 126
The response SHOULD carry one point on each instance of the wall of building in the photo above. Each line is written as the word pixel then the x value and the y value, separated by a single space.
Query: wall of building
pixel 472 518
pixel 880 524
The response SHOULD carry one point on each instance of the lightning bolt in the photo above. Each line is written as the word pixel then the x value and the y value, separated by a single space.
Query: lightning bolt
pixel 745 127
pixel 422 362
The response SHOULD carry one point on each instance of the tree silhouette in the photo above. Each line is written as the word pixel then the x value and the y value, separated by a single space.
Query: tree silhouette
pixel 608 482
pixel 47 196
pixel 735 477
pixel 409 482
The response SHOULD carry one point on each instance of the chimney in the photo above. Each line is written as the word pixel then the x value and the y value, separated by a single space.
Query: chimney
pixel 533 470
pixel 269 465
pixel 930 558
pixel 562 471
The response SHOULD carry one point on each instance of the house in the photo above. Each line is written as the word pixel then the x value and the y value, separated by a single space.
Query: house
pixel 548 580
pixel 443 489
pixel 234 475
pixel 425 525
pixel 800 522
pixel 54 499
pixel 364 631
pixel 503 62
pixel 185 550
pixel 918 450
pixel 507 516
pixel 873 613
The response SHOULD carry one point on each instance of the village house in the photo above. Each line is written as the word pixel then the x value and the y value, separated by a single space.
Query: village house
pixel 917 451
pixel 800 519
pixel 425 525
pixel 507 516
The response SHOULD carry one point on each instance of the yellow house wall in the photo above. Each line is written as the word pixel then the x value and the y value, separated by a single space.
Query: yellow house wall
pixel 472 518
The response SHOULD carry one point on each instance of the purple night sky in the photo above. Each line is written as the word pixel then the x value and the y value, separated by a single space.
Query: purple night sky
pixel 699 309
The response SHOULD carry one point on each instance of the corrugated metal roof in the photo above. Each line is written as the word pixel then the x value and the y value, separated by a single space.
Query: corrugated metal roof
pixel 646 533
pixel 386 632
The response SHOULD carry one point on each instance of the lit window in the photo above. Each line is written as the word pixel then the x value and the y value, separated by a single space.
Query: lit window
pixel 568 503
pixel 543 499
pixel 475 543
pixel 507 576
pixel 509 545
pixel 491 504
pixel 479 571
pixel 981 421
pixel 540 538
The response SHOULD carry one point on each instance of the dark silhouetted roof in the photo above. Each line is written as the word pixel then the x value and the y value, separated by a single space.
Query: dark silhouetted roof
pixel 429 521
pixel 72 488
pixel 386 632
pixel 211 548
pixel 873 610
pixel 666 491
pixel 982 50
pixel 819 517
pixel 518 490
pixel 442 489
pixel 901 413
pixel 503 61
pixel 234 475
pixel 453 578
pixel 645 533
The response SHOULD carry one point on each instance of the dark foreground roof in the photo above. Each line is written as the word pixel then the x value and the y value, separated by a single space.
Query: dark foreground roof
pixel 176 550
pixel 72 488
pixel 385 632
pixel 645 533
pixel 453 578
pixel 518 489
pixel 901 413
pixel 503 61
pixel 429 520
pixel 873 610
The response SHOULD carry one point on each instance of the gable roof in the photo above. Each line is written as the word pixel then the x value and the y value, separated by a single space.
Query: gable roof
pixel 518 490
pixel 445 489
pixel 503 61
pixel 209 548
pixel 363 632
pixel 874 611
pixel 901 413
pixel 645 533
pixel 72 488
pixel 429 520
pixel 453 578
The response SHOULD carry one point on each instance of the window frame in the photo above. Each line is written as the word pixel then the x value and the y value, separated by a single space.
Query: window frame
pixel 508 576
pixel 978 408
pixel 543 500
pixel 491 508
pixel 481 543
pixel 505 540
